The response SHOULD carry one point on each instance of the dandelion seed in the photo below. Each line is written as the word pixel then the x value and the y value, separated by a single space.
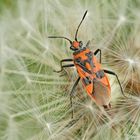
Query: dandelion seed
pixel 88 14
pixel 74 68
pixel 28 80
pixel 121 20
pixel 26 23
pixel 131 61
pixel 49 127
pixel 90 106
pixel 138 102
pixel 46 45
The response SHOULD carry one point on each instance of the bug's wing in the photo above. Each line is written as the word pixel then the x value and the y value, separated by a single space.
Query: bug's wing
pixel 101 93
pixel 86 79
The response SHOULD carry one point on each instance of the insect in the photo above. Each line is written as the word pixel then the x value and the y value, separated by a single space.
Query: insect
pixel 90 72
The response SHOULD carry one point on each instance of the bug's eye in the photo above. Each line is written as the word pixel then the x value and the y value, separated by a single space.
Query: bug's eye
pixel 80 43
pixel 72 48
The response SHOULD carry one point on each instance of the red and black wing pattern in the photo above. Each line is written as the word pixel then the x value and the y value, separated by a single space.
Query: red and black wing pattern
pixel 93 77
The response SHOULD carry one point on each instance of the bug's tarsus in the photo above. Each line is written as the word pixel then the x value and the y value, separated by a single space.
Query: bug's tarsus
pixel 64 66
pixel 63 74
pixel 71 105
pixel 61 37
pixel 72 122
pixel 80 25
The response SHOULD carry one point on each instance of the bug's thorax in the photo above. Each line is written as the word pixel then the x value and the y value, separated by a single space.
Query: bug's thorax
pixel 83 58
pixel 81 53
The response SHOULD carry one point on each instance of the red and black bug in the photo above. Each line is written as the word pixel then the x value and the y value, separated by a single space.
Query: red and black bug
pixel 90 72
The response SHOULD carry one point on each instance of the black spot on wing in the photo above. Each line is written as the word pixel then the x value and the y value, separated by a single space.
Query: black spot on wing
pixel 82 64
pixel 90 59
pixel 100 74
pixel 86 81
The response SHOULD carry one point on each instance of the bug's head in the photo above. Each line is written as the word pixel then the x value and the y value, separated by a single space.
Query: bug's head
pixel 74 45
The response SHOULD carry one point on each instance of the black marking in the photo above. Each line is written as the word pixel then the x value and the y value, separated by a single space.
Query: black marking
pixel 90 59
pixel 89 55
pixel 80 50
pixel 100 74
pixel 78 60
pixel 105 106
pixel 84 68
pixel 82 64
pixel 93 89
pixel 86 81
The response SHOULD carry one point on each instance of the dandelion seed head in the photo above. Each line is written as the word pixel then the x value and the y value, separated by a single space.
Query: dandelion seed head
pixel 30 63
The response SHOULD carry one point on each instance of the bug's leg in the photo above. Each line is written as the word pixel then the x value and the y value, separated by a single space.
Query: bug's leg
pixel 74 86
pixel 113 73
pixel 99 50
pixel 64 66
pixel 71 94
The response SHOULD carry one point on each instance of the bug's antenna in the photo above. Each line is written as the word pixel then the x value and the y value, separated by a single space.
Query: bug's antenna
pixel 60 37
pixel 79 25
